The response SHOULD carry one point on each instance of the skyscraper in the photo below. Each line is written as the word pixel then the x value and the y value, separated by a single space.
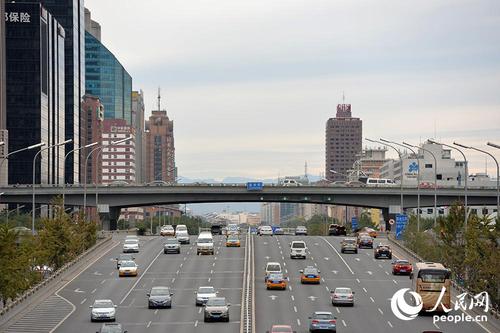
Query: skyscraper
pixel 343 143
pixel 35 92
pixel 138 124
pixel 70 14
pixel 92 126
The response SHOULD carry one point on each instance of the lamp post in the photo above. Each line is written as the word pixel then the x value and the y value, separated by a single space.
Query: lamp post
pixel 400 169
pixel 34 162
pixel 64 163
pixel 466 176
pixel 496 162
pixel 18 151
pixel 435 177
pixel 10 211
pixel 418 177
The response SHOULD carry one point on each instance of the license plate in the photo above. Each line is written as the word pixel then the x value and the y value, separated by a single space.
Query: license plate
pixel 402 270
pixel 311 276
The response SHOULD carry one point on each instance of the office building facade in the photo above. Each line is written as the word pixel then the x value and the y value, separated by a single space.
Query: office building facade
pixel 118 160
pixel 160 149
pixel 35 81
pixel 343 143
pixel 91 129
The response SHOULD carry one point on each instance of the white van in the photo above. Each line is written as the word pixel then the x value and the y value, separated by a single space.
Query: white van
pixel 205 243
pixel 298 249
pixel 290 182
pixel 272 268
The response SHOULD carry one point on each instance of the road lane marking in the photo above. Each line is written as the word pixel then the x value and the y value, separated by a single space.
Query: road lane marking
pixel 381 312
pixel 389 323
pixel 149 324
pixel 199 311
pixel 364 289
pixel 343 322
pixel 371 298
pixel 140 277
pixel 83 301
pixel 102 282
pixel 395 282
pixel 196 323
pixel 93 291
pixel 358 280
pixel 294 308
pixel 337 252
pixel 298 322
pixel 156 311
pixel 293 298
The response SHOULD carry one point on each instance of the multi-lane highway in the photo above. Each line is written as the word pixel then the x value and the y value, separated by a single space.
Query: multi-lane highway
pixel 370 279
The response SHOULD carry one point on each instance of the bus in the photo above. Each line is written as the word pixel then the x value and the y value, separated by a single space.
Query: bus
pixel 428 279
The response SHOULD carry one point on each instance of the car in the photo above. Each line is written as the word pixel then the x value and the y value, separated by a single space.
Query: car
pixel 232 228
pixel 171 245
pixel 118 183
pixel 301 231
pixel 132 237
pixel 298 249
pixel 278 230
pixel 111 328
pixel 233 241
pixel 181 227
pixel 365 241
pixel 349 244
pixel 272 268
pixel 167 230
pixel 216 308
pixel 160 297
pixel 337 230
pixel 366 230
pixel 204 293
pixel 281 329
pixel 276 281
pixel 265 230
pixel 182 236
pixel 310 274
pixel 382 251
pixel 401 266
pixel 205 243
pixel 123 257
pixel 103 309
pixel 131 245
pixel 216 229
pixel 290 182
pixel 127 268
pixel 322 321
pixel 157 183
pixel 344 296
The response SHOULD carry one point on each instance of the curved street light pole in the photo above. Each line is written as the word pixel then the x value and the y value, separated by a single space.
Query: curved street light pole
pixel 418 177
pixel 33 185
pixel 15 152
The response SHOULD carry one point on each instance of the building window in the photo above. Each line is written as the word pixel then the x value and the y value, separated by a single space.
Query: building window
pixel 430 210
pixel 428 166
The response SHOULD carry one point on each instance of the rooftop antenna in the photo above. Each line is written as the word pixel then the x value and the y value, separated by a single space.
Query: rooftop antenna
pixel 343 97
pixel 159 99
pixel 305 169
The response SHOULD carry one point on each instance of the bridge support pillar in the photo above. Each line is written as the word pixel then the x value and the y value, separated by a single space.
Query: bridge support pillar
pixel 114 215
pixel 386 217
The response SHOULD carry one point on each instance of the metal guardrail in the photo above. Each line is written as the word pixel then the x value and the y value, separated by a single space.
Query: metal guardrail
pixel 51 277
pixel 495 311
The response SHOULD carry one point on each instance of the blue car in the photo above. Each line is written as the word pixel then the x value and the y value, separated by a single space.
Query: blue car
pixel 322 321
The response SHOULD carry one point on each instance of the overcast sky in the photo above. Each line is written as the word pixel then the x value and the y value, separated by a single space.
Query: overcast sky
pixel 250 84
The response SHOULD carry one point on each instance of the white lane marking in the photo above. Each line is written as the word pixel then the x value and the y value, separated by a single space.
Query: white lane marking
pixel 293 298
pixel 395 282
pixel 290 287
pixel 209 279
pixel 379 265
pixel 196 324
pixel 213 264
pixel 358 280
pixel 177 273
pixel 371 298
pixel 369 272
pixel 284 264
pixel 173 280
pixel 199 311
pixel 338 311
pixel 357 259
pixel 343 322
pixel 93 291
pixel 294 308
pixel 389 323
pixel 149 324
pixel 327 289
pixel 364 289
pixel 140 277
pixel 83 301
pixel 156 311
pixel 111 273
pixel 337 252
pixel 387 273
pixel 380 310
pixel 298 322
pixel 102 282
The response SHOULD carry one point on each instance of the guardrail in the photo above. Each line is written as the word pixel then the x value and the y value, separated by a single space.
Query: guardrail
pixel 51 277
pixel 495 311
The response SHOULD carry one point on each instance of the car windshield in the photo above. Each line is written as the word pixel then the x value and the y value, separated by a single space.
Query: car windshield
pixel 216 301
pixel 274 268
pixel 168 227
pixel 171 241
pixel 127 264
pixel 366 238
pixel 298 245
pixel 282 330
pixel 349 241
pixel 160 291
pixel 310 270
pixel 111 328
pixel 276 277
pixel 206 290
pixel 233 238
pixel 433 276
pixel 103 304
pixel 204 241
pixel 342 291
pixel 324 316
pixel 402 262
pixel 125 257
pixel 181 227
pixel 131 241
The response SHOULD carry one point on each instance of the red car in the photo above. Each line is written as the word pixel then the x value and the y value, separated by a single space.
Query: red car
pixel 281 329
pixel 401 266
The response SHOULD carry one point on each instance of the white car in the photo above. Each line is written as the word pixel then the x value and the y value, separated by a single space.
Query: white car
pixel 204 293
pixel 290 182
pixel 272 268
pixel 298 249
pixel 131 245
pixel 103 309
pixel 301 230
pixel 182 236
pixel 266 230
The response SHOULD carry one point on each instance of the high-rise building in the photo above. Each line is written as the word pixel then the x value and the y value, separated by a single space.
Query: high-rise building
pixel 70 14
pixel 91 130
pixel 138 124
pixel 343 143
pixel 91 26
pixel 3 110
pixel 107 78
pixel 118 160
pixel 35 92
pixel 160 149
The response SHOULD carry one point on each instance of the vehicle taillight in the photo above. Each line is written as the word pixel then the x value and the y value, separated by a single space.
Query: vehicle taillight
pixel 350 296
pixel 315 321
pixel 333 321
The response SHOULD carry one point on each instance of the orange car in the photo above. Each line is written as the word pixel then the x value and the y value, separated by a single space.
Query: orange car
pixel 310 274
pixel 276 281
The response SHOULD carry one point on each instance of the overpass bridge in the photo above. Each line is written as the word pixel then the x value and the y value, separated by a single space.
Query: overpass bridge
pixel 117 197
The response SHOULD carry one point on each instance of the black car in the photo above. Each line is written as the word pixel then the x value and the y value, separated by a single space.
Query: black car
pixel 160 297
pixel 382 251
pixel 216 229
pixel 337 230
pixel 365 241
pixel 111 328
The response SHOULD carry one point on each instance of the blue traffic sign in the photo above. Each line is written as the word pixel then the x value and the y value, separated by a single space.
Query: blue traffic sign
pixel 354 223
pixel 401 221
pixel 255 186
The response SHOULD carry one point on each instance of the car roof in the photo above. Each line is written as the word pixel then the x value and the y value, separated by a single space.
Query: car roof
pixel 323 312
pixel 273 263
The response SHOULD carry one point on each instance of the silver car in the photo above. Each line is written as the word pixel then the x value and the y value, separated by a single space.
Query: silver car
pixel 171 245
pixel 342 296
pixel 103 309
pixel 216 308
pixel 204 293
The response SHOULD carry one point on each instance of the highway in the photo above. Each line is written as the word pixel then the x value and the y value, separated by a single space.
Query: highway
pixel 68 310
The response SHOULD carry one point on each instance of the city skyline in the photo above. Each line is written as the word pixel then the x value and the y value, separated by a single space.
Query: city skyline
pixel 424 71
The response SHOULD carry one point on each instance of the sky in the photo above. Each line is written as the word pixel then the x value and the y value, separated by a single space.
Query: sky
pixel 251 84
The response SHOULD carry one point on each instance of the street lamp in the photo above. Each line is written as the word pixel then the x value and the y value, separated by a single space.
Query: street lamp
pixel 418 177
pixel 64 163
pixel 85 167
pixel 400 169
pixel 466 175
pixel 435 177
pixel 10 211
pixel 34 160
pixel 18 151
pixel 496 162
